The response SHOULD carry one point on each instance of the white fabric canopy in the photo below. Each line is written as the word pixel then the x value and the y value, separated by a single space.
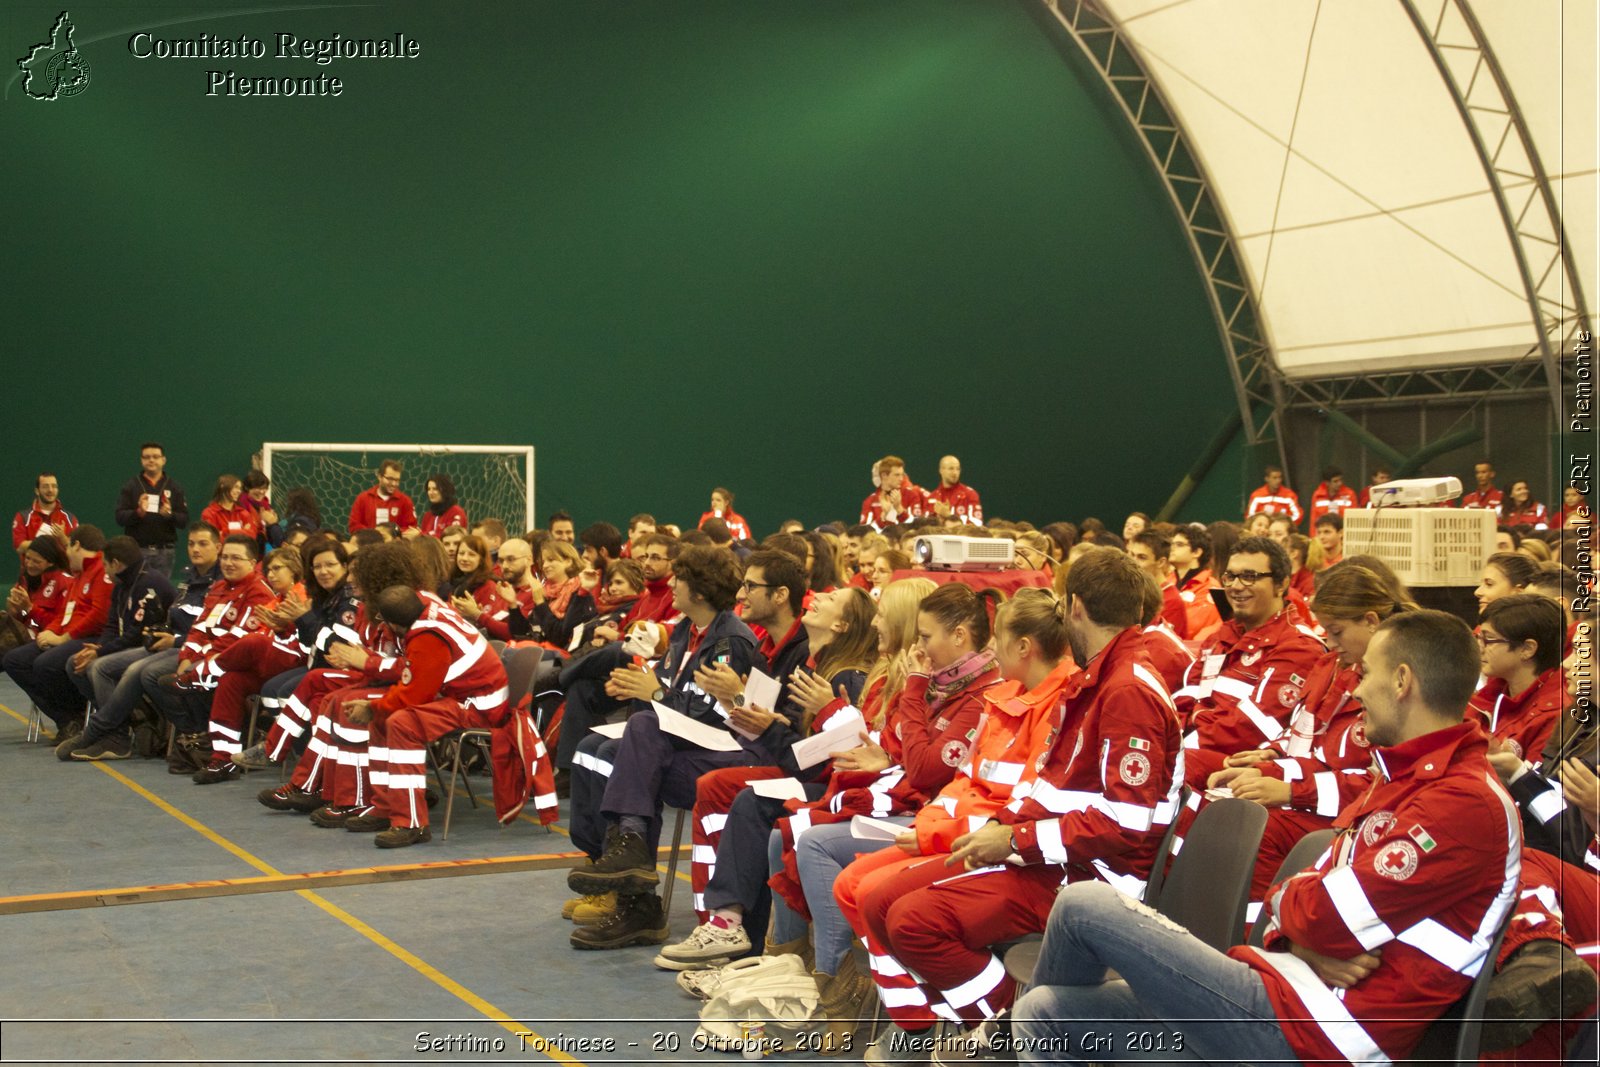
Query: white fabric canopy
pixel 1357 200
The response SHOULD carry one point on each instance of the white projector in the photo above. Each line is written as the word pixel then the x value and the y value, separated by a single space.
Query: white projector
pixel 1413 493
pixel 948 552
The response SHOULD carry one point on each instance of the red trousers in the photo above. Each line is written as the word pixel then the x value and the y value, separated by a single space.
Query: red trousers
pixel 246 665
pixel 295 718
pixel 398 757
pixel 930 931
pixel 335 760
pixel 713 796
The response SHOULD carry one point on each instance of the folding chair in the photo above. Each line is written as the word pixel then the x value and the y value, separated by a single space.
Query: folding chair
pixel 1021 956
pixel 1301 856
pixel 1209 884
pixel 520 664
pixel 1455 1036
pixel 672 865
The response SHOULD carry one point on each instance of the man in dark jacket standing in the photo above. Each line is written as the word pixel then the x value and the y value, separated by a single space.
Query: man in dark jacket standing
pixel 151 508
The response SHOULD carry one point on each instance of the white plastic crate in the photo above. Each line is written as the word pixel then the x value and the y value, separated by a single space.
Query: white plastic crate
pixel 1425 546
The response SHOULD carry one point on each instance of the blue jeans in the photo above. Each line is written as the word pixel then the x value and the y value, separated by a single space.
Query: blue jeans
pixel 1071 1014
pixel 117 683
pixel 820 854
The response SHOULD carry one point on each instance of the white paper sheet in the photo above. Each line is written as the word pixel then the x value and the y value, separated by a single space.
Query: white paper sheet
pixel 779 788
pixel 694 731
pixel 612 730
pixel 870 829
pixel 843 733
pixel 761 689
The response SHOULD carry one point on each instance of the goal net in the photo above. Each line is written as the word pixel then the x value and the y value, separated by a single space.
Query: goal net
pixel 492 481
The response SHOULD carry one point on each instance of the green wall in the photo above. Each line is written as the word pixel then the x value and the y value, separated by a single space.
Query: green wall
pixel 670 244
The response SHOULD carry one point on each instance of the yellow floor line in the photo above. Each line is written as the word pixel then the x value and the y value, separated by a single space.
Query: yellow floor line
pixel 411 960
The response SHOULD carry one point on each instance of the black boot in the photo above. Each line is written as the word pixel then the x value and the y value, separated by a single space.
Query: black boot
pixel 637 921
pixel 1542 980
pixel 626 866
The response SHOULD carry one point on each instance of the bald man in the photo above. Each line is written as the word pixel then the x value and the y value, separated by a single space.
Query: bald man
pixel 516 586
pixel 952 500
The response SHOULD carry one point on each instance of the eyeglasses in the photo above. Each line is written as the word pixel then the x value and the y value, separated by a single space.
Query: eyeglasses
pixel 747 586
pixel 1485 642
pixel 1247 577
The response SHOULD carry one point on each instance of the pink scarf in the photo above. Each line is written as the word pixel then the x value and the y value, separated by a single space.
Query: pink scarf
pixel 966 671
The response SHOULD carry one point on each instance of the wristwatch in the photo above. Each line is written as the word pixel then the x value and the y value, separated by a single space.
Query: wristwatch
pixel 659 695
pixel 738 700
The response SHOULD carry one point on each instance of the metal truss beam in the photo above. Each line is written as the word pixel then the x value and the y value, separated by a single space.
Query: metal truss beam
pixel 1257 382
pixel 1517 178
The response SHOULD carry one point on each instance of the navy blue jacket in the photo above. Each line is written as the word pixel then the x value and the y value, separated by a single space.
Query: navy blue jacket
pixel 728 639
pixel 191 600
pixel 140 598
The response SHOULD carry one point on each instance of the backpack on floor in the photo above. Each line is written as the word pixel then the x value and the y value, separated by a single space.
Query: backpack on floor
pixel 149 732
pixel 778 992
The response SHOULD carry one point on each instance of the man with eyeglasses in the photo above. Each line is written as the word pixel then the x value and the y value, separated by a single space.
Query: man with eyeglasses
pixel 1248 679
pixel 384 502
pixel 151 508
pixel 229 612
pixel 1189 553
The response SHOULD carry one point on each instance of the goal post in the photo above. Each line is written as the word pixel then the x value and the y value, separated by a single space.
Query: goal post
pixel 491 481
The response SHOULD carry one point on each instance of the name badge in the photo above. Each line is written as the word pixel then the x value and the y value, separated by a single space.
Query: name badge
pixel 383 516
pixel 152 502
pixel 1211 669
pixel 235 525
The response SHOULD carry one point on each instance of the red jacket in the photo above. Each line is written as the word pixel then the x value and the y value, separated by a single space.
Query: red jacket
pixel 1168 654
pixel 88 601
pixel 496 611
pixel 1112 769
pixel 27 524
pixel 1174 612
pixel 1203 616
pixel 1283 502
pixel 445 657
pixel 1489 498
pixel 1324 503
pixel 435 525
pixel 1006 744
pixel 653 605
pixel 227 615
pixel 737 526
pixel 1531 514
pixel 1325 754
pixel 913 504
pixel 370 510
pixel 962 500
pixel 239 519
pixel 1246 682
pixel 1427 873
pixel 1524 722
pixel 46 601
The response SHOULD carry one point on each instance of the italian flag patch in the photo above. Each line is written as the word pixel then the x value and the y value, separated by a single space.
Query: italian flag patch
pixel 1420 836
pixel 1139 743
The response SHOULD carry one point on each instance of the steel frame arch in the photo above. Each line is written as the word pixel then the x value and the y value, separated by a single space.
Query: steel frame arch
pixel 1550 314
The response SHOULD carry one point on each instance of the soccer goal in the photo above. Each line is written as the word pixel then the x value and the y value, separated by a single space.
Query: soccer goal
pixel 492 481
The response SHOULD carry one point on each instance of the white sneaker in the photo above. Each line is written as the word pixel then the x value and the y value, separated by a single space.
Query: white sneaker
pixel 709 946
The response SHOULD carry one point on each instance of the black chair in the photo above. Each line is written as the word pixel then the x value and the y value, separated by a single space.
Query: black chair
pixel 520 665
pixel 1209 884
pixel 1021 957
pixel 1455 1036
pixel 1304 853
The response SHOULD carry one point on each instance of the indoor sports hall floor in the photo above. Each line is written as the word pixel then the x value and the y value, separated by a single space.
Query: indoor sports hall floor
pixel 343 974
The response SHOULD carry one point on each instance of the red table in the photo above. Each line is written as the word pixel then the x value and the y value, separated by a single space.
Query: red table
pixel 1008 582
